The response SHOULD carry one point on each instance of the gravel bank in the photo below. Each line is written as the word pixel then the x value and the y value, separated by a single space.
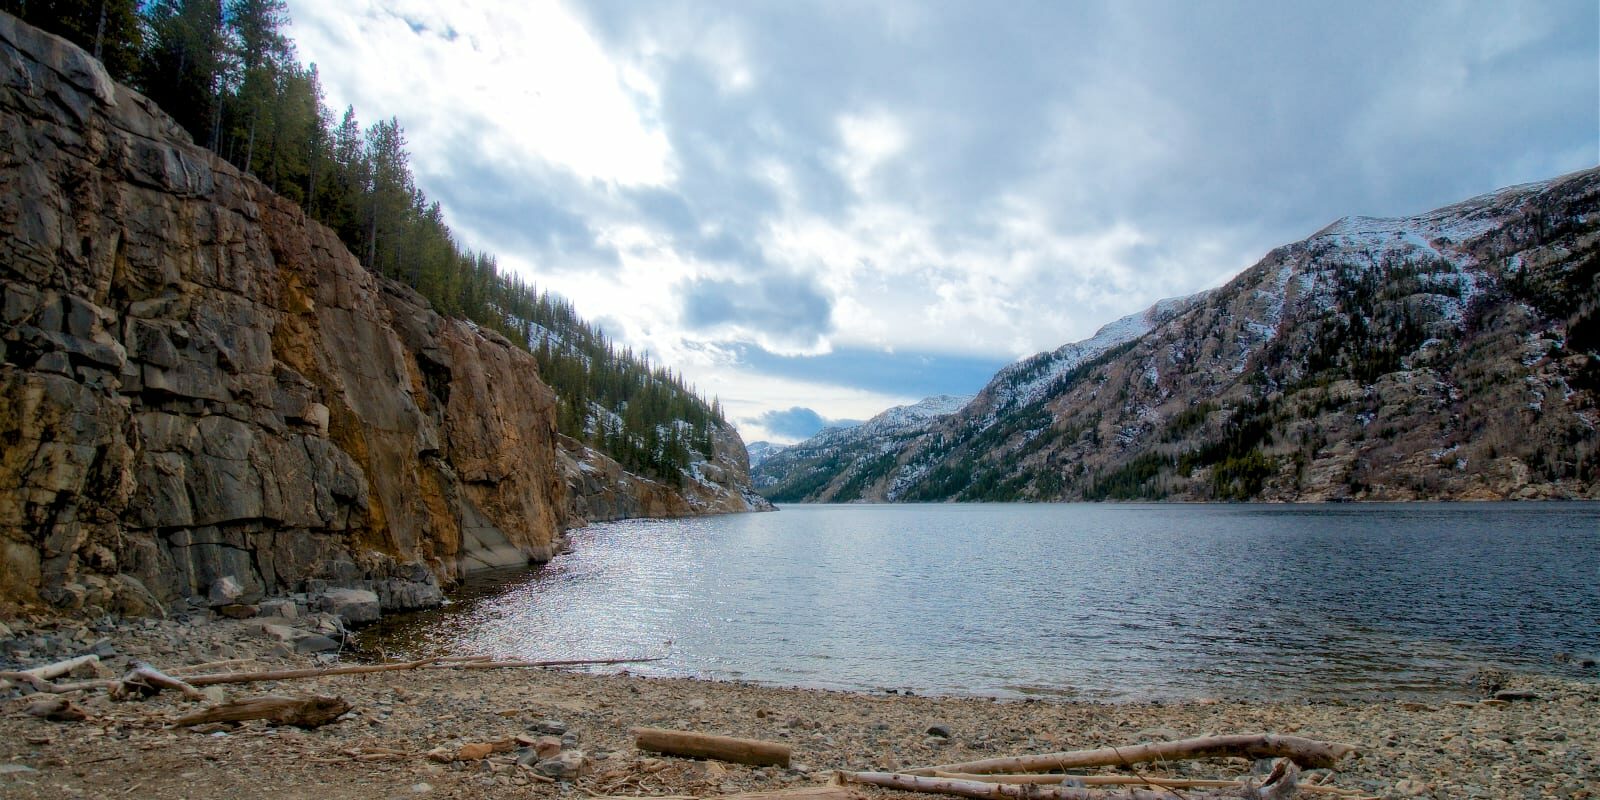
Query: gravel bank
pixel 1545 747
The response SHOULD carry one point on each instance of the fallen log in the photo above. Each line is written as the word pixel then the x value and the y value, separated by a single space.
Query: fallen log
pixel 217 678
pixel 146 680
pixel 1307 753
pixel 301 712
pixel 1280 785
pixel 705 745
pixel 40 676
pixel 1133 780
pixel 57 709
pixel 830 792
pixel 476 663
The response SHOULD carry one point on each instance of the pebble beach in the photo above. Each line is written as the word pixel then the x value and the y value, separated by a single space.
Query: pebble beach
pixel 456 732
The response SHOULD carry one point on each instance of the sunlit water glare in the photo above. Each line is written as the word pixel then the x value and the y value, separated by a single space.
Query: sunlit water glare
pixel 1091 601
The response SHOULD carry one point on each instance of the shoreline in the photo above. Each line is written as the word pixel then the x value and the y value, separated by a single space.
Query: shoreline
pixel 1541 747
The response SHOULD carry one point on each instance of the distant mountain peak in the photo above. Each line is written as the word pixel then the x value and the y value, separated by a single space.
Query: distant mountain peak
pixel 1452 354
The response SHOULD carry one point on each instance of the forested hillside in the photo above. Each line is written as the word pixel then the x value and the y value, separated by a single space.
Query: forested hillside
pixel 226 71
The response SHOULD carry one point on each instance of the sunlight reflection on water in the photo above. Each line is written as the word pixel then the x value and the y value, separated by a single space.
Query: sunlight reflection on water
pixel 1095 601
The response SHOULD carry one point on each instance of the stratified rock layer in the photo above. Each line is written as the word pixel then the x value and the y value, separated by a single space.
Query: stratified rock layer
pixel 200 382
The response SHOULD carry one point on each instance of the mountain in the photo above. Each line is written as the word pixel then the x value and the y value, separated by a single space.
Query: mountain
pixel 1448 355
pixel 761 451
pixel 199 381
pixel 830 466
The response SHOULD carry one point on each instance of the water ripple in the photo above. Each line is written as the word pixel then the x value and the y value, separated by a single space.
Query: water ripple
pixel 1099 601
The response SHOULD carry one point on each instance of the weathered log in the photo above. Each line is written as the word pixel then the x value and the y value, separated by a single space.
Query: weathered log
pixel 295 674
pixel 57 709
pixel 1092 780
pixel 1280 785
pixel 39 677
pixel 148 680
pixel 301 712
pixel 830 792
pixel 1307 753
pixel 447 662
pixel 1137 780
pixel 475 663
pixel 705 745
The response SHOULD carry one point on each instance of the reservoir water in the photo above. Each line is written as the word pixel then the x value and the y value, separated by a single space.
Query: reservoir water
pixel 1100 602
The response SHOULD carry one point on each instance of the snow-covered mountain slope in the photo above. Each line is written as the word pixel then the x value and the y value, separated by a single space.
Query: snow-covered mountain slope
pixel 761 451
pixel 825 467
pixel 1451 354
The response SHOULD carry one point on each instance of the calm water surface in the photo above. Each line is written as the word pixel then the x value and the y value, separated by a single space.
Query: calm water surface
pixel 1091 601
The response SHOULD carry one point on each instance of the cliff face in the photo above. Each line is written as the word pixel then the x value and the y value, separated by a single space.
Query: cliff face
pixel 1450 355
pixel 198 381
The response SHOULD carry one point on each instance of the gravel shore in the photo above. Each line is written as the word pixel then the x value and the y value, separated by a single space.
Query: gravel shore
pixel 406 730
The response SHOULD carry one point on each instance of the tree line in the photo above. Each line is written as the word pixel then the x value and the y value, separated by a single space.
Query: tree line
pixel 228 73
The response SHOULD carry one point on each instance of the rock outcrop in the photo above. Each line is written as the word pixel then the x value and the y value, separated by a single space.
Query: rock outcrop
pixel 199 382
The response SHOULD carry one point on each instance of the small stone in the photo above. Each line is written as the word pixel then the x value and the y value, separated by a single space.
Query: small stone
pixel 16 769
pixel 551 726
pixel 564 767
pixel 569 739
pixel 280 608
pixel 238 611
pixel 421 788
pixel 548 747
pixel 443 755
pixel 1409 787
pixel 1158 735
pixel 315 643
pixel 474 751
pixel 939 729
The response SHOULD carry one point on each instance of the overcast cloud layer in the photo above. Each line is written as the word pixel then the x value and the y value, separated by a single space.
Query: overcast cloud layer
pixel 837 207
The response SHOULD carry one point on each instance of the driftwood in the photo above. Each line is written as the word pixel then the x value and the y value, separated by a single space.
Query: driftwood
pixel 705 745
pixel 147 680
pixel 1280 785
pixel 1132 780
pixel 829 792
pixel 57 709
pixel 301 712
pixel 1307 753
pixel 477 663
pixel 39 677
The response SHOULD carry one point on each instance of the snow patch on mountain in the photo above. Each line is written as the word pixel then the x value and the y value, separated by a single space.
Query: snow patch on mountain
pixel 1030 379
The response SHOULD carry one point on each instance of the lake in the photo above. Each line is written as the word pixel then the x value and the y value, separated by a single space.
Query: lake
pixel 1088 601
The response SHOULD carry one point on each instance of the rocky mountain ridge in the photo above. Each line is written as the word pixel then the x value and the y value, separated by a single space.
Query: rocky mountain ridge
pixel 198 382
pixel 1453 354
pixel 825 467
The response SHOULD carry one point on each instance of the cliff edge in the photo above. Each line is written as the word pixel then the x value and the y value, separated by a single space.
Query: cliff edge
pixel 198 381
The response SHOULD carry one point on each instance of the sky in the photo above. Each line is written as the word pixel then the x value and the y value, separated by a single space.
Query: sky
pixel 818 210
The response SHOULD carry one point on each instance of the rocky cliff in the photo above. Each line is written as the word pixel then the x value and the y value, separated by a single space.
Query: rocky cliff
pixel 200 382
pixel 1450 355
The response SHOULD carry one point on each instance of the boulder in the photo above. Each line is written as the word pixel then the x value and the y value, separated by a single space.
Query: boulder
pixel 224 591
pixel 353 606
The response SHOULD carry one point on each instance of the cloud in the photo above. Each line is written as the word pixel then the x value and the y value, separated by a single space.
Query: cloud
pixel 795 203
pixel 784 311
pixel 797 423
